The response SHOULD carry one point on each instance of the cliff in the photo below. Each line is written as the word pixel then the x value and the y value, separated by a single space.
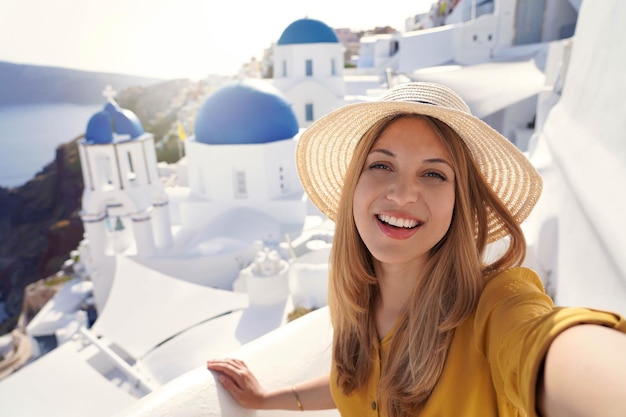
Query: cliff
pixel 40 226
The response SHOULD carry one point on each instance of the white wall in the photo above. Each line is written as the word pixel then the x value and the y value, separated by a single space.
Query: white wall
pixel 321 54
pixel 213 170
pixel 474 41
pixel 431 46
pixel 324 88
pixel 585 132
pixel 322 98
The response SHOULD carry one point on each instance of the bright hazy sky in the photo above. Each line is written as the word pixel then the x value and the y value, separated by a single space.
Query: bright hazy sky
pixel 171 38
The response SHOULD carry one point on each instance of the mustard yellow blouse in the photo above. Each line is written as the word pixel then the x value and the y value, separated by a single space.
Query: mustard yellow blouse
pixel 495 355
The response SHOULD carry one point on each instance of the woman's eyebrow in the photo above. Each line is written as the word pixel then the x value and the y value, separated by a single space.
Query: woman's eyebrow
pixel 428 160
pixel 383 151
pixel 438 161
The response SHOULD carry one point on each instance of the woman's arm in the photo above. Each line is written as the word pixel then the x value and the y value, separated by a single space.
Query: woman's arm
pixel 584 374
pixel 237 379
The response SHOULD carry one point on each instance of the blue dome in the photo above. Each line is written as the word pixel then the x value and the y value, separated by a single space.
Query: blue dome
pixel 251 111
pixel 308 31
pixel 112 120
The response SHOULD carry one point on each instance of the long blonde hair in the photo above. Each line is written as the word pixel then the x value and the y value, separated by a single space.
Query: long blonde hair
pixel 445 296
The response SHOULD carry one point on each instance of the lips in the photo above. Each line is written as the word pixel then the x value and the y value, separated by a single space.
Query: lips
pixel 398 221
pixel 397 227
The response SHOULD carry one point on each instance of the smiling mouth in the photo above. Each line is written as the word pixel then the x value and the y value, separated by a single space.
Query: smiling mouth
pixel 398 222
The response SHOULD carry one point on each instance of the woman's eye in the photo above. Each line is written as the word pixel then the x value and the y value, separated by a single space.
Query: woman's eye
pixel 437 175
pixel 379 165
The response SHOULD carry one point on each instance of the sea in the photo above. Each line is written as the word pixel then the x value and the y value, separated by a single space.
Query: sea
pixel 30 134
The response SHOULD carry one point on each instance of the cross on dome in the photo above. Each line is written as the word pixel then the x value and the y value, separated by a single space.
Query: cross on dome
pixel 109 93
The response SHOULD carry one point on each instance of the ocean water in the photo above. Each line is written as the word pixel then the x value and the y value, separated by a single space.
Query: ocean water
pixel 29 135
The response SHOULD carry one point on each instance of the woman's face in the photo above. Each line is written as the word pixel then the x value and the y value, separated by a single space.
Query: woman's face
pixel 404 198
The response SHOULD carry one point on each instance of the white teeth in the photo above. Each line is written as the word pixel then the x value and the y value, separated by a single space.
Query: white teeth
pixel 397 222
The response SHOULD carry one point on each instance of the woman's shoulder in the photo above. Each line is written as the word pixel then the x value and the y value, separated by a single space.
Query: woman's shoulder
pixel 510 299
pixel 512 284
pixel 512 279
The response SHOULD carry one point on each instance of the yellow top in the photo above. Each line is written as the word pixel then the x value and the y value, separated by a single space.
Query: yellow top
pixel 495 355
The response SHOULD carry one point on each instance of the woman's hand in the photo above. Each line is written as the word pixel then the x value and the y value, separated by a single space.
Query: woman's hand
pixel 237 379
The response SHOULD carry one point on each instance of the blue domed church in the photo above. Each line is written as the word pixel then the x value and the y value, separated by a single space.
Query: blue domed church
pixel 242 157
pixel 124 203
pixel 308 69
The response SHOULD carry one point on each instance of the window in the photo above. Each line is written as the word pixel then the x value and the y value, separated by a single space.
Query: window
pixel 333 67
pixel 104 172
pixel 284 68
pixel 240 185
pixel 131 169
pixel 394 46
pixel 281 178
pixel 309 67
pixel 309 112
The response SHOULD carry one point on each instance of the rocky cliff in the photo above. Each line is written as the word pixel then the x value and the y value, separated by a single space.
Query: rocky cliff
pixel 40 226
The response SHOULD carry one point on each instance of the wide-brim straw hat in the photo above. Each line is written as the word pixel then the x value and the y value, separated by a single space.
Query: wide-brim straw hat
pixel 325 149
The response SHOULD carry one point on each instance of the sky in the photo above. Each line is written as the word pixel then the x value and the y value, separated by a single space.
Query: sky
pixel 171 38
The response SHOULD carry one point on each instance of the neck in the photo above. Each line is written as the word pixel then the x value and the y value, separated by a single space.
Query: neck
pixel 396 284
pixel 395 288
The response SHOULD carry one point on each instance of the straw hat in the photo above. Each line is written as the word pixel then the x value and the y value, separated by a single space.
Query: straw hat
pixel 325 149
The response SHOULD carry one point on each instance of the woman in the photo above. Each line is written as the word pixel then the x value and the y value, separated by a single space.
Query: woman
pixel 418 188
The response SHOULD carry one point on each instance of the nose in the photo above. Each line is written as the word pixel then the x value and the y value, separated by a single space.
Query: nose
pixel 403 190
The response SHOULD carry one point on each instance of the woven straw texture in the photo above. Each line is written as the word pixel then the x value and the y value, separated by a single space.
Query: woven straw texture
pixel 325 149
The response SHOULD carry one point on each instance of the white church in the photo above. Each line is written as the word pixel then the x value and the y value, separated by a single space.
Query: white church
pixel 309 69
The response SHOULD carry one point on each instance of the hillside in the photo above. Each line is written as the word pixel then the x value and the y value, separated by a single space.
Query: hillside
pixel 30 84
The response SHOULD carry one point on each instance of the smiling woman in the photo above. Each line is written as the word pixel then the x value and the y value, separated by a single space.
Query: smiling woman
pixel 418 187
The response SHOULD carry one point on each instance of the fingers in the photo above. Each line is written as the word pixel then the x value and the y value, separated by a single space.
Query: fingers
pixel 236 378
pixel 230 385
pixel 228 363
pixel 231 371
pixel 231 367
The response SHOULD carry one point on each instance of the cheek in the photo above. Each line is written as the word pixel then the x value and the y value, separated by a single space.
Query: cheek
pixel 361 204
pixel 445 209
pixel 358 202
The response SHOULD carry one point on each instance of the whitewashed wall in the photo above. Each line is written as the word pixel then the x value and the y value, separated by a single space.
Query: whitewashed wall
pixel 585 132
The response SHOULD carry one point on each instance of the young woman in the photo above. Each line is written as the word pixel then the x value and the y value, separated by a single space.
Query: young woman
pixel 418 188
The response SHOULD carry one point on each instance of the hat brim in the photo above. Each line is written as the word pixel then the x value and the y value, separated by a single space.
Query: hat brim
pixel 325 149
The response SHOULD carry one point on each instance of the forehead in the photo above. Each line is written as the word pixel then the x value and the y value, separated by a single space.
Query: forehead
pixel 416 132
